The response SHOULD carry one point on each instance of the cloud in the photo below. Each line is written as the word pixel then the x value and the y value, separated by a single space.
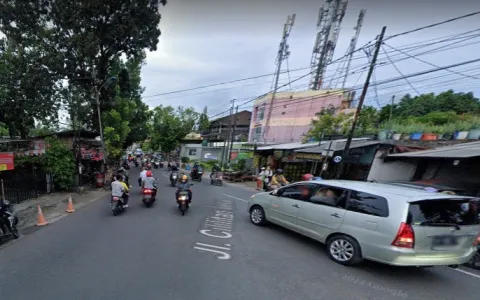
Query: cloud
pixel 206 42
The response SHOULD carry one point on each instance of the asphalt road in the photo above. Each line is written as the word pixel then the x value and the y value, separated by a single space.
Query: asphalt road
pixel 149 253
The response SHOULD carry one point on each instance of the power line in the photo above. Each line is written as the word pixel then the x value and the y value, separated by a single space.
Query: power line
pixel 432 25
pixel 428 63
pixel 399 72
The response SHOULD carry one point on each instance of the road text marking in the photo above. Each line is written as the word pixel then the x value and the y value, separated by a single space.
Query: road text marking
pixel 218 226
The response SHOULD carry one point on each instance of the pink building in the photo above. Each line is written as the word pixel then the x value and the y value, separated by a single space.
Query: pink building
pixel 292 113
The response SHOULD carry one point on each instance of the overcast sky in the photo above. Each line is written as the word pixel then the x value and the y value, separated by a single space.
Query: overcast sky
pixel 208 42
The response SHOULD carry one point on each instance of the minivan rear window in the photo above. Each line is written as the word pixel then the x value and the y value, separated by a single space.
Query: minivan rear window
pixel 444 211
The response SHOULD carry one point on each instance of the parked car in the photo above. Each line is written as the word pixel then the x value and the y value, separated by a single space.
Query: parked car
pixel 390 224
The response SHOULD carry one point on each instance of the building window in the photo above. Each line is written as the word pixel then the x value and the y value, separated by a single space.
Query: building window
pixel 257 133
pixel 261 113
pixel 192 152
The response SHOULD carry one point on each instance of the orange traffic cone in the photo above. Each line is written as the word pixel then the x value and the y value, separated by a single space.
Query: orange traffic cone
pixel 41 218
pixel 70 208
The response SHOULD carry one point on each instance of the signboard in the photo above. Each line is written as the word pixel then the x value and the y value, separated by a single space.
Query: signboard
pixel 337 159
pixel 6 161
pixel 309 156
pixel 278 154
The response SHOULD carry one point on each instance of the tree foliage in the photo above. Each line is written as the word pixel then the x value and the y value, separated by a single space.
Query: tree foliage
pixel 59 162
pixel 28 88
pixel 170 126
pixel 203 122
pixel 449 101
pixel 76 36
pixel 330 123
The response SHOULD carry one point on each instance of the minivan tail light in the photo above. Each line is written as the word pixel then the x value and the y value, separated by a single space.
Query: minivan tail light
pixel 405 237
pixel 477 240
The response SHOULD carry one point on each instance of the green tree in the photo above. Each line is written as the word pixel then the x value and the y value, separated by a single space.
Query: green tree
pixel 367 120
pixel 77 35
pixel 422 105
pixel 329 124
pixel 203 122
pixel 170 126
pixel 59 161
pixel 28 88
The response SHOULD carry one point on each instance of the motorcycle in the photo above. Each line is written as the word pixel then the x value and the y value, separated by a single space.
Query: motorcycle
pixel 117 205
pixel 148 197
pixel 183 201
pixel 474 262
pixel 156 164
pixel 174 179
pixel 8 221
pixel 198 176
pixel 217 179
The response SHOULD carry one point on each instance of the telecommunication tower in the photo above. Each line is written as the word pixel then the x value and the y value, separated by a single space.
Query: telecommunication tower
pixel 330 18
pixel 283 53
pixel 353 44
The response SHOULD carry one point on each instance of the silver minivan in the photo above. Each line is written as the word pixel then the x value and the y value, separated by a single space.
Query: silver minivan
pixel 380 222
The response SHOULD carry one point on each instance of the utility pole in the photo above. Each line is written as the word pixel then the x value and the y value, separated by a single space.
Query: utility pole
pixel 362 99
pixel 282 55
pixel 97 98
pixel 226 141
pixel 391 113
pixel 232 134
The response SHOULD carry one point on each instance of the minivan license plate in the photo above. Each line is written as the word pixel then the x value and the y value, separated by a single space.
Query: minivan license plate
pixel 444 240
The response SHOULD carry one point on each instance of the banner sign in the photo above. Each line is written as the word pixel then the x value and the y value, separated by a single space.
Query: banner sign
pixel 6 161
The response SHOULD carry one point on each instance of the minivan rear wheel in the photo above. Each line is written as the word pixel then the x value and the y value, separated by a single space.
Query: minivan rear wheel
pixel 344 250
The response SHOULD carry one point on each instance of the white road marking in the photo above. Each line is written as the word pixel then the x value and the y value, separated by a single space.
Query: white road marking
pixel 239 199
pixel 468 273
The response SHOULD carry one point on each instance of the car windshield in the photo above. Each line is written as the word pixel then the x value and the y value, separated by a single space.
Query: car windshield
pixel 444 211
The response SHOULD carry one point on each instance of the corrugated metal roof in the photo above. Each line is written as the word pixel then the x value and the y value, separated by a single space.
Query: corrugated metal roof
pixel 464 150
pixel 339 145
pixel 299 146
pixel 288 146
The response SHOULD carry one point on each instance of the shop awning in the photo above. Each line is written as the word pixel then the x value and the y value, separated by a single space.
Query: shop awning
pixel 464 150
pixel 288 146
pixel 300 146
pixel 339 145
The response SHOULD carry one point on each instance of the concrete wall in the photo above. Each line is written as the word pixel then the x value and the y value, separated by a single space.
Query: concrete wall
pixel 391 171
pixel 467 171
pixel 195 152
pixel 192 151
pixel 291 114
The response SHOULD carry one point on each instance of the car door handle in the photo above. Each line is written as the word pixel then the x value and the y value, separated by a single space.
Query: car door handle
pixel 335 215
pixel 296 205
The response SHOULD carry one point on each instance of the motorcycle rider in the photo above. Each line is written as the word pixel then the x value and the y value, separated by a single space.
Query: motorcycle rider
pixel 149 183
pixel 118 190
pixel 278 180
pixel 195 169
pixel 184 185
pixel 174 169
pixel 143 175
pixel 216 168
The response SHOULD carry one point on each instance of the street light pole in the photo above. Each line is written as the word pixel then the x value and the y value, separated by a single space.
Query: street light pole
pixel 97 98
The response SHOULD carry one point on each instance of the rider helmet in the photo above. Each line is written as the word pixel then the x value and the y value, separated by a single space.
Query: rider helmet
pixel 307 177
pixel 279 171
pixel 149 174
pixel 184 178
